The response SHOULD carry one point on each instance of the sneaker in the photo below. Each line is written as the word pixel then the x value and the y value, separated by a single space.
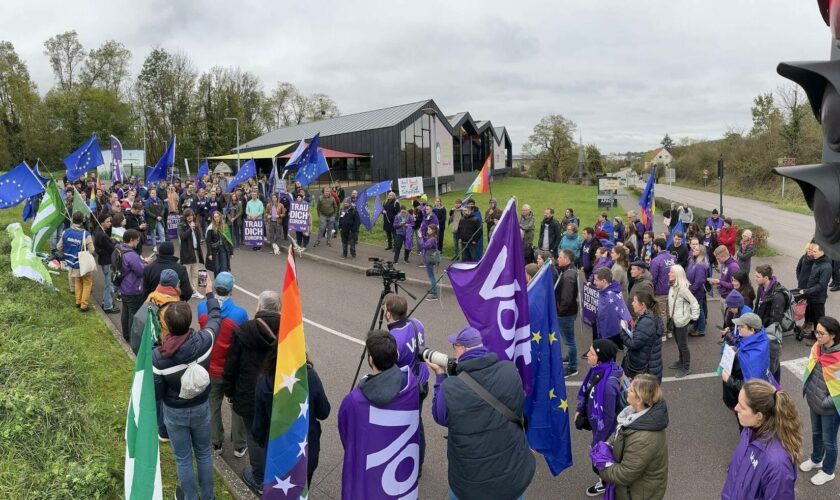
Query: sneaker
pixel 197 295
pixel 113 310
pixel 697 334
pixel 682 372
pixel 596 489
pixel 240 452
pixel 809 465
pixel 316 244
pixel 163 439
pixel 179 493
pixel 670 335
pixel 432 297
pixel 676 365
pixel 217 448
pixel 835 288
pixel 664 338
pixel 820 478
pixel 250 481
pixel 568 372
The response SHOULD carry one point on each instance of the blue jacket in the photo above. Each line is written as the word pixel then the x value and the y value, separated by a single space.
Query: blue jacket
pixel 72 242
pixel 759 469
pixel 572 242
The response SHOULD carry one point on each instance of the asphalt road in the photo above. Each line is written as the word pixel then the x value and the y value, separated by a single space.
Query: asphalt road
pixel 338 305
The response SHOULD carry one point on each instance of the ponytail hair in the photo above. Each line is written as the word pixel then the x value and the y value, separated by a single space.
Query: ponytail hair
pixel 780 415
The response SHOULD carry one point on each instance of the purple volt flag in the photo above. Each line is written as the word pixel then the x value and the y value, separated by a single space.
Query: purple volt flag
pixel 381 444
pixel 493 296
pixel 116 160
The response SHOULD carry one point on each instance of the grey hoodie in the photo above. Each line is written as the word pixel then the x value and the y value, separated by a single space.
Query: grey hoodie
pixel 381 388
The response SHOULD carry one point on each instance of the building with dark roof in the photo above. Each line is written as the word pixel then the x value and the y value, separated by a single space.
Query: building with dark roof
pixel 397 142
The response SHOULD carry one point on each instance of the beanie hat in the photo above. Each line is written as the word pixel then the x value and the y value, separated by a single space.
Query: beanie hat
pixel 605 349
pixel 735 299
pixel 169 278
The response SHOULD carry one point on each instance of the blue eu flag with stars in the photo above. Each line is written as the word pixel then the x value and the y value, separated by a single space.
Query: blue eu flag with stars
pixel 87 157
pixel 547 407
pixel 246 171
pixel 17 185
pixel 311 163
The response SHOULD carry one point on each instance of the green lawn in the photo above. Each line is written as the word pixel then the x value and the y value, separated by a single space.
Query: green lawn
pixel 64 388
pixel 799 209
pixel 538 194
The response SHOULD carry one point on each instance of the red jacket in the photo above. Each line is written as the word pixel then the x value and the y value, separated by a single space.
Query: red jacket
pixel 727 238
pixel 232 316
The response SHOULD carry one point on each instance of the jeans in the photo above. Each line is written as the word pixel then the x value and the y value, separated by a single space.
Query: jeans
pixel 158 235
pixel 325 226
pixel 399 240
pixel 456 244
pixel 131 304
pixel 453 497
pixel 273 229
pixel 661 310
pixel 302 239
pixel 256 453
pixel 430 270
pixel 189 431
pixel 82 290
pixel 347 238
pixel 108 290
pixel 216 427
pixel 469 253
pixel 824 438
pixel 681 336
pixel 700 325
pixel 567 333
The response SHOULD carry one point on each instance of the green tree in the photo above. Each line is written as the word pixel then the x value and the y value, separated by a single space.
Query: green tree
pixel 553 148
pixel 107 67
pixel 23 132
pixel 594 161
pixel 766 117
pixel 66 54
pixel 667 142
pixel 228 93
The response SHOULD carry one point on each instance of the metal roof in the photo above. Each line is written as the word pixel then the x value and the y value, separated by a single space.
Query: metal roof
pixel 367 120
pixel 458 120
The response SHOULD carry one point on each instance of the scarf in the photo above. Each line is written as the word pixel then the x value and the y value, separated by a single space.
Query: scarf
pixel 830 363
pixel 172 343
pixel 604 370
pixel 762 290
pixel 745 244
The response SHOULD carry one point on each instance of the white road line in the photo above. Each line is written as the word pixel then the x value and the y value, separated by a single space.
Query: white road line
pixel 309 321
pixel 796 366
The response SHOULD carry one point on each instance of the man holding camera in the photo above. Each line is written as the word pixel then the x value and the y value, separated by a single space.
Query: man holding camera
pixel 482 406
pixel 409 334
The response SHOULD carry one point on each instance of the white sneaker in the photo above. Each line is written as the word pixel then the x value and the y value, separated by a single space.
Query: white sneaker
pixel 197 295
pixel 820 478
pixel 664 338
pixel 809 465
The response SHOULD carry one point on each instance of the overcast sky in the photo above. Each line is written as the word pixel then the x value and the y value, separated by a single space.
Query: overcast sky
pixel 625 72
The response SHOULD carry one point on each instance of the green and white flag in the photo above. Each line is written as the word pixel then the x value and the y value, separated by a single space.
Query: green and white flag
pixel 25 264
pixel 49 217
pixel 80 205
pixel 142 455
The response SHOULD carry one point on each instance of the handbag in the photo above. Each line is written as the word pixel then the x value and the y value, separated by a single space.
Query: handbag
pixel 491 399
pixel 87 262
pixel 433 257
pixel 799 309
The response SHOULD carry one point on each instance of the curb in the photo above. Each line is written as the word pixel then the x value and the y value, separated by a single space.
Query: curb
pixel 360 269
pixel 234 484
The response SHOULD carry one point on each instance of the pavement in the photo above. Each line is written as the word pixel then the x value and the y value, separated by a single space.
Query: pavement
pixel 339 303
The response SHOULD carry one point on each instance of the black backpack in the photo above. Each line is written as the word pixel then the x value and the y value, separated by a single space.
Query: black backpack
pixel 116 266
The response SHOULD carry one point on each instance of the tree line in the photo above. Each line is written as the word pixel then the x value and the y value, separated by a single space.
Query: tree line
pixel 554 151
pixel 94 91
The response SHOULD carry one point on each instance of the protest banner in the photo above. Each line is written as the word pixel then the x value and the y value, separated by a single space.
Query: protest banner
pixel 172 222
pixel 410 187
pixel 589 307
pixel 253 232
pixel 298 216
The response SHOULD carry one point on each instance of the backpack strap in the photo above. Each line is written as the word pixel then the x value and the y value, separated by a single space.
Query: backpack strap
pixel 490 399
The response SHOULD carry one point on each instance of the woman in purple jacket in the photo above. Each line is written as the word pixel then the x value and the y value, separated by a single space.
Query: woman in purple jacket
pixel 698 271
pixel 429 246
pixel 762 466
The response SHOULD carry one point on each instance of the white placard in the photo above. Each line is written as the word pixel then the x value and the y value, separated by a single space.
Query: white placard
pixel 727 359
pixel 410 187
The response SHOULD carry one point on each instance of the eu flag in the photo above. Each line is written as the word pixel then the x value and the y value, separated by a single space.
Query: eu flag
pixel 246 171
pixel 379 188
pixel 203 170
pixel 647 203
pixel 160 171
pixel 364 210
pixel 87 157
pixel 547 407
pixel 678 227
pixel 17 185
pixel 311 163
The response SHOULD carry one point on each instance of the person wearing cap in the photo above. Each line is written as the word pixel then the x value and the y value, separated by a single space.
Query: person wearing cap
pixel 488 454
pixel 640 281
pixel 104 246
pixel 232 316
pixel 599 396
pixel 752 360
pixel 166 260
pixel 714 221
pixel 728 235
pixel 186 414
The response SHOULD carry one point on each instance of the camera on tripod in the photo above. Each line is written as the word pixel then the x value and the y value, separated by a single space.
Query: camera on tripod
pixel 440 359
pixel 385 269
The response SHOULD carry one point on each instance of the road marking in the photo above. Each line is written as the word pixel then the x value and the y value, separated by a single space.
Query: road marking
pixel 309 321
pixel 797 366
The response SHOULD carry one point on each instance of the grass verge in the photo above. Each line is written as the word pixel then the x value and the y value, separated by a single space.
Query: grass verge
pixel 538 194
pixel 799 209
pixel 64 388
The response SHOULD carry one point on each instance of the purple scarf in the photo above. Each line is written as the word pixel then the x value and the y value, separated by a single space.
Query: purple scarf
pixel 762 290
pixel 601 455
pixel 606 369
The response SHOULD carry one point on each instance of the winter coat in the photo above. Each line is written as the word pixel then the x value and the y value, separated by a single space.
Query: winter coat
pixel 428 220
pixel 659 268
pixel 104 246
pixel 189 253
pixel 491 218
pixel 151 275
pixel 680 253
pixel 618 232
pixel 349 221
pixel 132 271
pixel 682 306
pixel 587 255
pixel 566 292
pixel 714 223
pixel 527 225
pixel 815 390
pixel 551 228
pixel 612 397
pixel 326 207
pixel 197 347
pixel 745 255
pixel 155 207
pixel 232 316
pixel 816 290
pixel 803 271
pixel 619 274
pixel 572 242
pixel 440 213
pixel 467 228
pixel 643 283
pixel 772 305
pixel 455 215
pixel 402 225
pixel 641 456
pixel 644 347
pixel 760 469
pixel 428 245
pixel 250 343
pixel 697 273
pixel 728 237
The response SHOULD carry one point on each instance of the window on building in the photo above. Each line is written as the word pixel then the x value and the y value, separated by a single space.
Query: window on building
pixel 416 148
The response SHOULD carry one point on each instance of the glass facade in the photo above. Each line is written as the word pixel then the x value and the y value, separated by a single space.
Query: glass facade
pixel 416 148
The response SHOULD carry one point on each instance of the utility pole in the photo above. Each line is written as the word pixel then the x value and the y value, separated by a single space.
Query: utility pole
pixel 720 177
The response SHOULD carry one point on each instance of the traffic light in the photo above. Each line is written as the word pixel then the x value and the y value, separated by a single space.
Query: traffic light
pixel 820 183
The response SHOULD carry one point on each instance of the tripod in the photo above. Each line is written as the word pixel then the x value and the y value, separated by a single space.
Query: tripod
pixel 388 286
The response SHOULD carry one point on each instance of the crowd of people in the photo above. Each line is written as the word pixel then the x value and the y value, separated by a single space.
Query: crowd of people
pixel 650 288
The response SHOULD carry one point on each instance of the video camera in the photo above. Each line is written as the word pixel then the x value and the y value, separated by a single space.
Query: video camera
pixel 385 269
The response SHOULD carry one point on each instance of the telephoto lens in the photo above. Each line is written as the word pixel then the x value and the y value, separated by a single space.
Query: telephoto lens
pixel 440 359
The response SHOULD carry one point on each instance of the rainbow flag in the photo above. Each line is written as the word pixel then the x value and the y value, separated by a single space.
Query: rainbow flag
pixel 481 184
pixel 647 202
pixel 286 459
pixel 831 371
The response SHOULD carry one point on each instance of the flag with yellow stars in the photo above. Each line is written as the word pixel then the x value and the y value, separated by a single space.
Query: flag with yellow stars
pixel 547 407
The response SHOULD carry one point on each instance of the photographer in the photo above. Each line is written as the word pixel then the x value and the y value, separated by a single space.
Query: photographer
pixel 409 333
pixel 487 449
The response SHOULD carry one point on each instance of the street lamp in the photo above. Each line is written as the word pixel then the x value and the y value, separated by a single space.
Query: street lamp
pixel 237 141
pixel 433 113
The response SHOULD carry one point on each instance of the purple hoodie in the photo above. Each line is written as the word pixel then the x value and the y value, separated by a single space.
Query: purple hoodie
pixel 403 333
pixel 659 267
pixel 697 274
pixel 427 220
pixel 611 310
pixel 727 269
pixel 760 469
pixel 132 269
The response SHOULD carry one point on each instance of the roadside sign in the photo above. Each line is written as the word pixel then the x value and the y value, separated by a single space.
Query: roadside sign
pixel 786 162
pixel 705 173
pixel 609 184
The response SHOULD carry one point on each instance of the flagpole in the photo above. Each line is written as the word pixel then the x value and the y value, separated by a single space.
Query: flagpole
pixel 92 215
